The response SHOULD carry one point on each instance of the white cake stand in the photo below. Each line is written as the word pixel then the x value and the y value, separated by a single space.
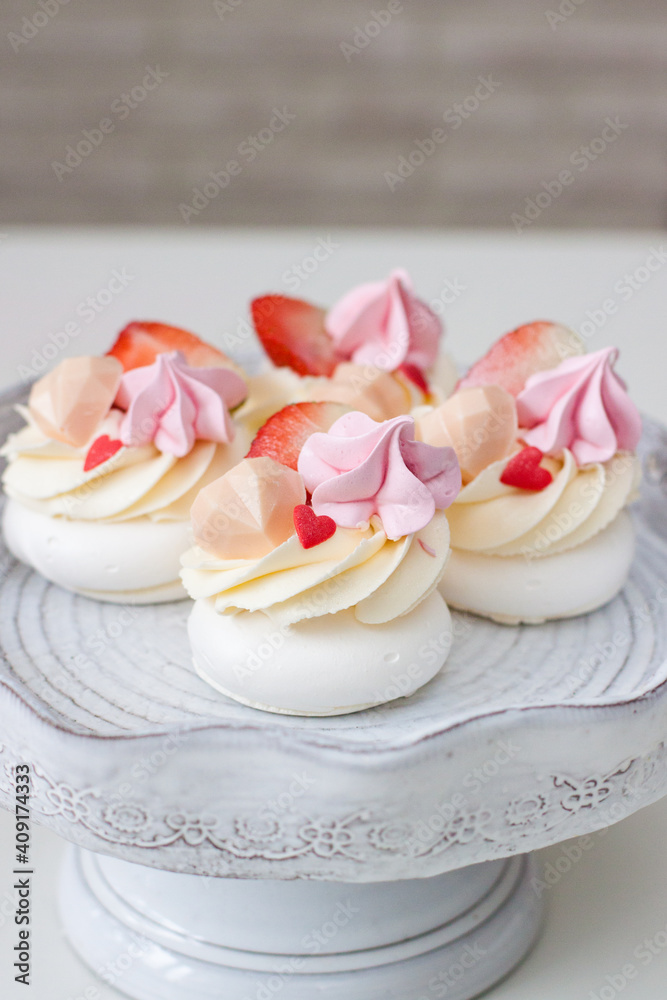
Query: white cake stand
pixel 224 852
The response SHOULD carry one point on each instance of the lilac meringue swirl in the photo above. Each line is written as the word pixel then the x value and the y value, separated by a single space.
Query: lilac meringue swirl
pixel 360 468
pixel 173 405
pixel 382 323
pixel 583 405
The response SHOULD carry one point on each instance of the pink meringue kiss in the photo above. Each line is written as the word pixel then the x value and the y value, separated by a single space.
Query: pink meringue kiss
pixel 70 402
pixel 384 324
pixel 581 405
pixel 174 405
pixel 360 468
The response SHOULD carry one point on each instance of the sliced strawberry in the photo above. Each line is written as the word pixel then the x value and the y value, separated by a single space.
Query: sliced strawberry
pixel 293 335
pixel 532 348
pixel 416 376
pixel 140 343
pixel 284 434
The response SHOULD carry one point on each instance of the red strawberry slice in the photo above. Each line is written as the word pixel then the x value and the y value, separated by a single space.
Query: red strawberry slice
pixel 140 343
pixel 535 347
pixel 293 335
pixel 525 471
pixel 415 375
pixel 284 434
pixel 101 450
pixel 312 529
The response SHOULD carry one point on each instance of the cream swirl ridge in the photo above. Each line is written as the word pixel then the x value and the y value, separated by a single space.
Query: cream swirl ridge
pixel 174 405
pixel 356 568
pixel 360 468
pixel 583 406
pixel 384 324
pixel 48 476
pixel 493 519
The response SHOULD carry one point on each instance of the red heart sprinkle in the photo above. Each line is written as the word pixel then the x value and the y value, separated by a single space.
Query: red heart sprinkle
pixel 525 471
pixel 311 529
pixel 101 450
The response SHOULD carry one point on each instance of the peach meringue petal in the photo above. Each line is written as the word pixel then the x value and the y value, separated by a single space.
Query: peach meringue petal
pixel 249 511
pixel 71 401
pixel 480 423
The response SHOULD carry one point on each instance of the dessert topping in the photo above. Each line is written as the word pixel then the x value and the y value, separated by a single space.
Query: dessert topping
pixel 174 405
pixel 525 472
pixel 360 468
pixel 582 405
pixel 70 402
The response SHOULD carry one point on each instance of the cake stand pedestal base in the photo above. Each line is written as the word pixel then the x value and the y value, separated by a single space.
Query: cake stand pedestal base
pixel 157 935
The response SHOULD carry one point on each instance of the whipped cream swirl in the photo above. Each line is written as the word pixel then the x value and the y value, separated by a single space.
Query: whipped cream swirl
pixel 48 476
pixel 491 518
pixel 356 568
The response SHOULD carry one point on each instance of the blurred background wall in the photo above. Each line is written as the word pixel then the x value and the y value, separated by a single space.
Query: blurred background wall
pixel 459 112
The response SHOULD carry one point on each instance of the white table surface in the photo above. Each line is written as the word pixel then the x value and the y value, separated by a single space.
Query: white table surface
pixel 609 910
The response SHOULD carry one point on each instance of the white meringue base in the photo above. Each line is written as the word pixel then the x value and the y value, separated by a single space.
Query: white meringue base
pixel 513 589
pixel 331 665
pixel 127 562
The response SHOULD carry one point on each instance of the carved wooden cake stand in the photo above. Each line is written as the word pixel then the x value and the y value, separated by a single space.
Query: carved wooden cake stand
pixel 223 852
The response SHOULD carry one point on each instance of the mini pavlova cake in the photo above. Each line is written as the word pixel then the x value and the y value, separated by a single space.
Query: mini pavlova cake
pixel 546 437
pixel 316 564
pixel 377 350
pixel 115 449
